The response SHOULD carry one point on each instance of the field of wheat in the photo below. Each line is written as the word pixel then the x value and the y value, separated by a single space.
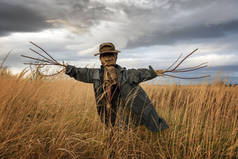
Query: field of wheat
pixel 57 118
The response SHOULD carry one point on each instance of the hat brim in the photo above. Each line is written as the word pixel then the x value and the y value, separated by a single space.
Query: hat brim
pixel 104 52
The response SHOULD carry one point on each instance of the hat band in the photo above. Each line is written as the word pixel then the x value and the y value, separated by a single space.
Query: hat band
pixel 114 51
pixel 106 49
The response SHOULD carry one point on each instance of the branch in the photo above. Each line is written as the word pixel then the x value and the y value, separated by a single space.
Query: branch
pixel 188 69
pixel 37 59
pixel 174 62
pixel 44 51
pixel 40 55
pixel 181 61
pixel 199 77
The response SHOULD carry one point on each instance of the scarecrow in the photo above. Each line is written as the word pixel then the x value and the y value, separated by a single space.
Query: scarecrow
pixel 119 98
pixel 117 88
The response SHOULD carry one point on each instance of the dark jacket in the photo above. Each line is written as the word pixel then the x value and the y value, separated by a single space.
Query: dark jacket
pixel 131 96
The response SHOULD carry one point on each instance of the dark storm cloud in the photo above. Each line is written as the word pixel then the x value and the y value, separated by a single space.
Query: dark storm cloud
pixel 188 34
pixel 135 23
pixel 18 18
pixel 82 14
pixel 144 23
pixel 167 22
pixel 33 16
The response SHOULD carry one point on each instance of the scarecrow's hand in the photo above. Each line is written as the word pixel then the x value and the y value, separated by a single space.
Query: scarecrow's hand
pixel 159 72
pixel 69 69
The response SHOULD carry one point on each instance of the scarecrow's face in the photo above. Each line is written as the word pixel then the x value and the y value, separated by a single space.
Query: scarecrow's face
pixel 108 59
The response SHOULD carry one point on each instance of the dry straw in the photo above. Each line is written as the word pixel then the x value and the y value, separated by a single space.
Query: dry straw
pixel 45 119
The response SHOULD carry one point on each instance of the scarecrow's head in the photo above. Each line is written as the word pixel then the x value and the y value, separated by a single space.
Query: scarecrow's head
pixel 108 54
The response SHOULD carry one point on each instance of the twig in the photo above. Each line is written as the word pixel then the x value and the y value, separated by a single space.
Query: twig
pixel 189 69
pixel 199 77
pixel 181 61
pixel 37 59
pixel 40 55
pixel 174 62
pixel 44 51
pixel 178 71
pixel 47 60
pixel 37 64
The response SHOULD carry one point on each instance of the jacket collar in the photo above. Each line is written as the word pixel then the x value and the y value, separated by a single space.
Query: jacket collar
pixel 117 67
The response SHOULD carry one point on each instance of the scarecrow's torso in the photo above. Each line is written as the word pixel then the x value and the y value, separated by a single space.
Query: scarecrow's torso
pixel 128 96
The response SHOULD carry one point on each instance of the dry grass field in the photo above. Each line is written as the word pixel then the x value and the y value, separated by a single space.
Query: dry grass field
pixel 53 118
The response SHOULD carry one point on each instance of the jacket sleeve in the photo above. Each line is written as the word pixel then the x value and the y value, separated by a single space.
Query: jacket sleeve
pixel 135 76
pixel 81 74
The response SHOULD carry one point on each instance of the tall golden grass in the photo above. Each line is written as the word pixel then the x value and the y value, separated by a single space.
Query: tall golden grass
pixel 58 119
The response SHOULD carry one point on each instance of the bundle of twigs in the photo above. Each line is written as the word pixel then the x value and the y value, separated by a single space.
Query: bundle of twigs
pixel 46 59
pixel 175 69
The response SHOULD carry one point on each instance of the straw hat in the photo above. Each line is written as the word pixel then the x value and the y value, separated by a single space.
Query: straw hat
pixel 106 48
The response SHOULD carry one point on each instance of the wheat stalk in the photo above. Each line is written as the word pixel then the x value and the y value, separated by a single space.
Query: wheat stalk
pixel 4 59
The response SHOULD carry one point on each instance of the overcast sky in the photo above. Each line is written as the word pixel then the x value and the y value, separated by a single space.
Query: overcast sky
pixel 148 32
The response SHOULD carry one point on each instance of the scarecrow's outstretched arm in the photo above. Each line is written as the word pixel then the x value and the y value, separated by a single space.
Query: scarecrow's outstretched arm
pixel 81 74
pixel 135 76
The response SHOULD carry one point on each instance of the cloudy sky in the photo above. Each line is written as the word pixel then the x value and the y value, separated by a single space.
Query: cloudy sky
pixel 148 32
